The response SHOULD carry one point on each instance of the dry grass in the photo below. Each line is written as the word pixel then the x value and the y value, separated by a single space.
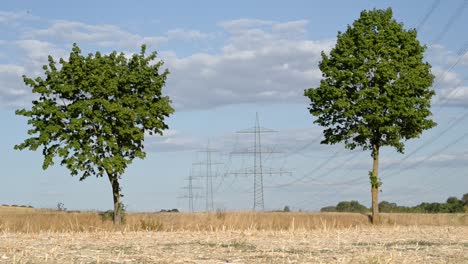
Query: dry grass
pixel 47 236
pixel 28 220
pixel 363 244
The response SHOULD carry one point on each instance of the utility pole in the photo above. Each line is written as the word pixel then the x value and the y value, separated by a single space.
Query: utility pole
pixel 258 169
pixel 208 163
pixel 190 194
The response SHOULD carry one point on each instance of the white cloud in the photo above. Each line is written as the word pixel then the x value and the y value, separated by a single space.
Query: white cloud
pixel 291 26
pixel 12 90
pixel 243 23
pixel 181 34
pixel 103 35
pixel 453 96
pixel 110 35
pixel 172 140
pixel 438 160
pixel 12 18
pixel 256 64
pixel 249 69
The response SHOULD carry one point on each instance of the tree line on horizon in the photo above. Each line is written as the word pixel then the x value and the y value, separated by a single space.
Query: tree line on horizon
pixel 451 205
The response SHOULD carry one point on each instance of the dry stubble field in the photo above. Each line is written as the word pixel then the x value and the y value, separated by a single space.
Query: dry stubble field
pixel 25 237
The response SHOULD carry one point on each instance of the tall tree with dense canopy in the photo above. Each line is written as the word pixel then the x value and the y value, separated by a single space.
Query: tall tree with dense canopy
pixel 375 89
pixel 92 113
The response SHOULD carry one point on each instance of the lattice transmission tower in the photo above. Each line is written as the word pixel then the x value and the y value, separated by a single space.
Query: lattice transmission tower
pixel 209 175
pixel 258 169
pixel 190 194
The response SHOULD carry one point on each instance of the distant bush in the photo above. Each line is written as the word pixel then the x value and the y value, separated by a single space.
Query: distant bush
pixel 351 206
pixel 346 206
pixel 169 211
pixel 109 214
pixel 328 209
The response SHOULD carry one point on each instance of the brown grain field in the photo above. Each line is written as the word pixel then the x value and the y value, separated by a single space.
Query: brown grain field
pixel 46 236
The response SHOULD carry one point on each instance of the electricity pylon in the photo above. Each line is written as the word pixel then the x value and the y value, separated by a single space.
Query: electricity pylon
pixel 190 195
pixel 258 169
pixel 208 177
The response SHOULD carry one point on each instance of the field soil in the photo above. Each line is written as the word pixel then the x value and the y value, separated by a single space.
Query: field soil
pixel 360 244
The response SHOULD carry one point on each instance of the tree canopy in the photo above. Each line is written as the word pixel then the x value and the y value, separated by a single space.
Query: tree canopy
pixel 375 89
pixel 375 86
pixel 92 112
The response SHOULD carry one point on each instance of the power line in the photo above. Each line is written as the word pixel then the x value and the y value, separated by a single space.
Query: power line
pixel 451 20
pixel 454 123
pixel 428 14
pixel 457 140
pixel 461 53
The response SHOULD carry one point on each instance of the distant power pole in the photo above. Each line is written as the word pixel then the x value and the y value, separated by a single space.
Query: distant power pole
pixel 258 169
pixel 208 163
pixel 190 194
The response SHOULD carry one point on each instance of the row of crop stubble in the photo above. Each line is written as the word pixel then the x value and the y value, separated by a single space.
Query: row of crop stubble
pixel 37 220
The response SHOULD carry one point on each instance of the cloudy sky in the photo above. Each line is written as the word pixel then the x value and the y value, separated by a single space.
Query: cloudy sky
pixel 229 61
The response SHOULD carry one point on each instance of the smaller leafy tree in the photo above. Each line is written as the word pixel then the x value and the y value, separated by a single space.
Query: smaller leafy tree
pixel 375 89
pixel 93 111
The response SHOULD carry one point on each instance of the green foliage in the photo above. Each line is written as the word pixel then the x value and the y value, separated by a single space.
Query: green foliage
pixel 453 205
pixel 387 207
pixel 453 200
pixel 464 199
pixel 92 111
pixel 351 206
pixel 328 209
pixel 374 180
pixel 109 214
pixel 286 209
pixel 375 89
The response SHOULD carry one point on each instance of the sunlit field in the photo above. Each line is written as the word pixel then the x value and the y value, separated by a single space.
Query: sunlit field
pixel 47 236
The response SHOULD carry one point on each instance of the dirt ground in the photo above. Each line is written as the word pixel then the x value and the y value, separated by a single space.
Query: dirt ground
pixel 384 244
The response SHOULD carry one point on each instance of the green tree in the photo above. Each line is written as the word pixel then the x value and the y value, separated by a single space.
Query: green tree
pixel 465 199
pixel 375 89
pixel 351 206
pixel 328 209
pixel 453 200
pixel 387 207
pixel 92 113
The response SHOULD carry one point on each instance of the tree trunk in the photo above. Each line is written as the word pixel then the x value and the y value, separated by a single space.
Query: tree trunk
pixel 116 195
pixel 375 183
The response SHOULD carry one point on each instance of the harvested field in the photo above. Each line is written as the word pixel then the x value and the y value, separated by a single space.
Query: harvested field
pixel 48 236
pixel 365 244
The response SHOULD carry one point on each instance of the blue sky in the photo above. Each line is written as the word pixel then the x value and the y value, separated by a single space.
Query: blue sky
pixel 229 60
